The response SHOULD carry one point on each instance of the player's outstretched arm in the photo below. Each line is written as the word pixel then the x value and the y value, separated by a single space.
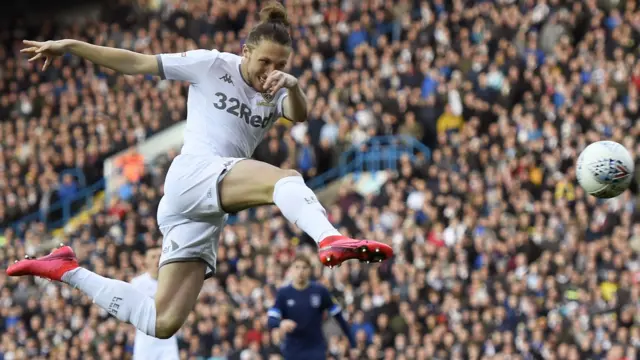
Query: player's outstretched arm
pixel 120 60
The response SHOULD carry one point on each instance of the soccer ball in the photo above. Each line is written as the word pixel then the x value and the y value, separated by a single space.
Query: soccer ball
pixel 605 169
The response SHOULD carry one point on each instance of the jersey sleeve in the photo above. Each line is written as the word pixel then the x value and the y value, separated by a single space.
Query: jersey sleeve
pixel 330 303
pixel 187 66
pixel 276 311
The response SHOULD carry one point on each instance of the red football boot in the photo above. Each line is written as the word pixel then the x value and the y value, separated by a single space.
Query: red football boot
pixel 336 249
pixel 51 267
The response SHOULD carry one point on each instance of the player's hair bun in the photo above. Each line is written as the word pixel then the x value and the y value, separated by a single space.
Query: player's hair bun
pixel 274 12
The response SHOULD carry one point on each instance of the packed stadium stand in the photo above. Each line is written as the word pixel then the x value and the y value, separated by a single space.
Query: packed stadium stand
pixel 499 254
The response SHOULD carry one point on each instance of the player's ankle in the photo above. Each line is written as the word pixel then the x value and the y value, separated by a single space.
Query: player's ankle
pixel 67 276
pixel 328 236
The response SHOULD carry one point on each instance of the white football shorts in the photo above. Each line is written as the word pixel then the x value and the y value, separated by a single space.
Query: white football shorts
pixel 190 217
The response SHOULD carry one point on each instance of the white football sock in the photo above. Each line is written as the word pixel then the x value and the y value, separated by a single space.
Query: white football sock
pixel 300 206
pixel 118 298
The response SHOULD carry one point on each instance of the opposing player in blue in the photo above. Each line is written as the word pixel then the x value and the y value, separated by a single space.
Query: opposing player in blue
pixel 299 312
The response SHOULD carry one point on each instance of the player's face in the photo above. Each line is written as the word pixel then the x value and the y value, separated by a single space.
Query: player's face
pixel 301 272
pixel 262 59
pixel 152 258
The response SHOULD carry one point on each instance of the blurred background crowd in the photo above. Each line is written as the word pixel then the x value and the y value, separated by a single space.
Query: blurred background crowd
pixel 499 254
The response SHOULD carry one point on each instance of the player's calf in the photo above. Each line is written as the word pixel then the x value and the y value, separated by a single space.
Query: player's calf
pixel 252 183
pixel 167 326
pixel 118 298
pixel 179 284
pixel 121 299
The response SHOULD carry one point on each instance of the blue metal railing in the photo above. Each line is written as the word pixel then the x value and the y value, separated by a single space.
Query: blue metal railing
pixel 63 208
pixel 380 153
pixel 376 154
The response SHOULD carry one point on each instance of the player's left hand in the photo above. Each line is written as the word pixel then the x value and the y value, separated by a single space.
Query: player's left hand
pixel 278 80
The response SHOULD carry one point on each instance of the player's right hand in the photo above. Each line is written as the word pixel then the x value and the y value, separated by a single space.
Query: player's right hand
pixel 48 49
pixel 288 325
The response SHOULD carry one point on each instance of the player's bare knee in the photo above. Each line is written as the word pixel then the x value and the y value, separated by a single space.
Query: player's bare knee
pixel 167 326
pixel 268 186
pixel 282 173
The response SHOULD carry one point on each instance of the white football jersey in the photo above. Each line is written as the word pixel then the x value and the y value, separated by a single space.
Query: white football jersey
pixel 225 116
pixel 147 347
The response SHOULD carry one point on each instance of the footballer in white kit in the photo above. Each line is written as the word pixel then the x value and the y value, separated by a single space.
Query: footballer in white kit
pixel 147 347
pixel 226 120
pixel 233 101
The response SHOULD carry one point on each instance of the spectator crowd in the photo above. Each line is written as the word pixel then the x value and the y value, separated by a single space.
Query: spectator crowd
pixel 499 254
